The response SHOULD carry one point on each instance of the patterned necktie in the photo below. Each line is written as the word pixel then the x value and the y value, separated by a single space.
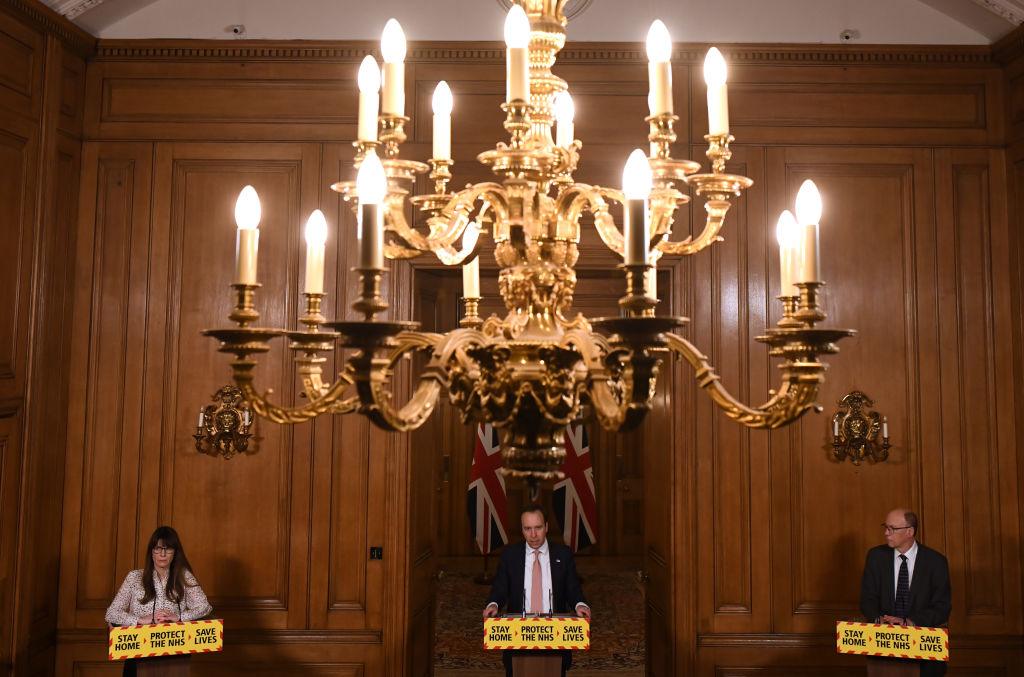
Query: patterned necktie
pixel 537 585
pixel 903 589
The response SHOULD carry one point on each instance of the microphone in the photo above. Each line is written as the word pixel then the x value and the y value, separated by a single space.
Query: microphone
pixel 551 602
pixel 524 602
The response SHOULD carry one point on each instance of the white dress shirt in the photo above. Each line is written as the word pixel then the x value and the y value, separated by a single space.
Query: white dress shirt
pixel 545 569
pixel 896 562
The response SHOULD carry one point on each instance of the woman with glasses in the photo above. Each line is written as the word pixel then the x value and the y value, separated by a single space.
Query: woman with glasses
pixel 164 591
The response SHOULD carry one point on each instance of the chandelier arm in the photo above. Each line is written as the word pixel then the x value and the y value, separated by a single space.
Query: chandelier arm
pixel 717 210
pixel 580 198
pixel 372 376
pixel 329 400
pixel 451 222
pixel 794 398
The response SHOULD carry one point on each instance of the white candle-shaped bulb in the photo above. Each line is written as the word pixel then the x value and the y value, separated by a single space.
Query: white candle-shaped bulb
pixel 885 427
pixel 371 188
pixel 316 240
pixel 369 98
pixel 835 428
pixel 442 104
pixel 565 115
pixel 247 218
pixel 808 214
pixel 393 48
pixel 659 55
pixel 787 232
pixel 471 279
pixel 715 75
pixel 636 177
pixel 202 417
pixel 517 40
pixel 636 185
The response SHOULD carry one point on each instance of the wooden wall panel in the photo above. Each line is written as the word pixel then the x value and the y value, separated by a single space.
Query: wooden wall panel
pixel 21 75
pixel 752 543
pixel 10 473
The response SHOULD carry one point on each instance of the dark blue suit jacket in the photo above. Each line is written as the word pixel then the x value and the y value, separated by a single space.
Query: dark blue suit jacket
pixel 507 590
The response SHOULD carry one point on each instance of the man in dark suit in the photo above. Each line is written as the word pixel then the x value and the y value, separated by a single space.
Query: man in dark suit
pixel 906 583
pixel 538 575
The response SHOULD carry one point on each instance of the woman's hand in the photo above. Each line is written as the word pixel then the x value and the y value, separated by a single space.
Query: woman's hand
pixel 162 616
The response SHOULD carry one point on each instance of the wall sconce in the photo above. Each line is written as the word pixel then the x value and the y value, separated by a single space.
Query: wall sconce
pixel 855 431
pixel 223 427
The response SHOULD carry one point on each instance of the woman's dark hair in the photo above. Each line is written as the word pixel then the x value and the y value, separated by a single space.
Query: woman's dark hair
pixel 176 583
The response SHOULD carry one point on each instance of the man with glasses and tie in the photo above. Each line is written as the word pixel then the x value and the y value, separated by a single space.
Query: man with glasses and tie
pixel 906 583
pixel 536 577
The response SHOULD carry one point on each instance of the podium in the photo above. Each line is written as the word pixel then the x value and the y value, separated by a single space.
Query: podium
pixel 162 666
pixel 892 650
pixel 539 641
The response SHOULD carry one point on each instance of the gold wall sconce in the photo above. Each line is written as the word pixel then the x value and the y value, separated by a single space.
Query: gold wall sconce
pixel 855 430
pixel 223 427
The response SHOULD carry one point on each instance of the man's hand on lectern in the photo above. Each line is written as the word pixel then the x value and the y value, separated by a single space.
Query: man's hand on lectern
pixel 583 611
pixel 490 611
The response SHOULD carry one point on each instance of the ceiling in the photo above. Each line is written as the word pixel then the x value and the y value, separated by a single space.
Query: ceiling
pixel 743 21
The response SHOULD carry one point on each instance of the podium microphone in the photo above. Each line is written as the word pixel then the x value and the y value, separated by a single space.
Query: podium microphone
pixel 551 602
pixel 524 602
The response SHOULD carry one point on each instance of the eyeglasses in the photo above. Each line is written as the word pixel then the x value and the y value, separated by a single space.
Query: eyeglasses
pixel 161 550
pixel 890 528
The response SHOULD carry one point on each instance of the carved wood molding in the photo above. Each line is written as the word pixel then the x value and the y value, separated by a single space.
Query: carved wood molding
pixel 49 21
pixel 493 52
pixel 10 406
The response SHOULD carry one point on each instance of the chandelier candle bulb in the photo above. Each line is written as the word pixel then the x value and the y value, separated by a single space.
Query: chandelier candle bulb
pixel 393 48
pixel 636 185
pixel 787 232
pixel 565 113
pixel 885 426
pixel 371 187
pixel 316 239
pixel 247 218
pixel 442 104
pixel 517 40
pixel 201 419
pixel 471 279
pixel 369 98
pixel 651 283
pixel 715 75
pixel 659 68
pixel 808 214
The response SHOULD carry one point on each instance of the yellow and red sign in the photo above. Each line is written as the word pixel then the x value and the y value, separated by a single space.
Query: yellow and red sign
pixel 896 641
pixel 535 633
pixel 166 639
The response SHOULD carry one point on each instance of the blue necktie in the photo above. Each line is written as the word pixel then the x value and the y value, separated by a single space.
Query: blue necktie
pixel 903 589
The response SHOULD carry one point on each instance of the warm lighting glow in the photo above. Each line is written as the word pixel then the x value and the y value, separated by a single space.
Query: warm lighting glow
pixel 316 228
pixel 565 109
pixel 715 70
pixel 808 204
pixel 442 101
pixel 659 43
pixel 247 209
pixel 392 42
pixel 369 76
pixel 787 231
pixel 517 28
pixel 371 181
pixel 636 178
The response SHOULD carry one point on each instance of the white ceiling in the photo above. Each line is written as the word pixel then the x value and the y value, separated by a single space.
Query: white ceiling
pixel 750 21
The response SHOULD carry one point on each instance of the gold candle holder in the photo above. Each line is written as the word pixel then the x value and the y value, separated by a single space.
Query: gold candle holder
pixel 370 301
pixel 440 174
pixel 362 148
pixel 662 134
pixel 790 304
pixel 314 316
pixel 517 122
pixel 718 151
pixel 471 317
pixel 809 313
pixel 392 133
pixel 636 302
pixel 245 312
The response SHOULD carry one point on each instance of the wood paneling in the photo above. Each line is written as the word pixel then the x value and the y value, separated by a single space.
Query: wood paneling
pixel 752 543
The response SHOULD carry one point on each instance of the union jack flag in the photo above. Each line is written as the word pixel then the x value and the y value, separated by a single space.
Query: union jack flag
pixel 574 499
pixel 486 500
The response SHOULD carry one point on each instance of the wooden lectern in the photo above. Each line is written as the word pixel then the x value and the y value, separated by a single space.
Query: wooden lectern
pixel 892 667
pixel 161 666
pixel 537 665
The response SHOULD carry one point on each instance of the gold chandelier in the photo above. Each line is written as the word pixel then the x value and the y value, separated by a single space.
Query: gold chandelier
pixel 538 368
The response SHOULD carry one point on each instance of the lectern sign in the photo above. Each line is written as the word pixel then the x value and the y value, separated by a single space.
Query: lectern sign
pixel 896 641
pixel 166 639
pixel 536 633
